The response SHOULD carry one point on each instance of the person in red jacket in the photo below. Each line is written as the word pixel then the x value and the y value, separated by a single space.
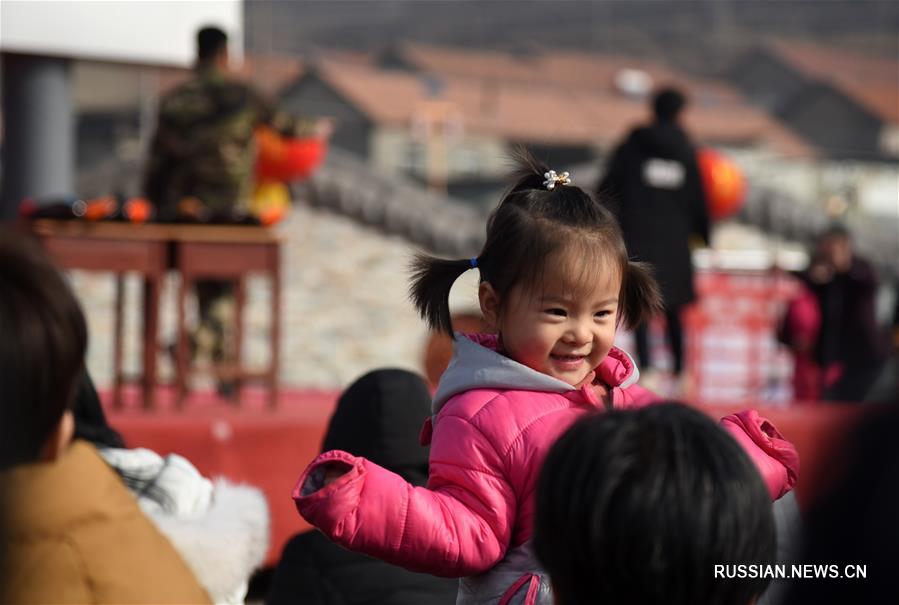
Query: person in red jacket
pixel 556 282
pixel 850 347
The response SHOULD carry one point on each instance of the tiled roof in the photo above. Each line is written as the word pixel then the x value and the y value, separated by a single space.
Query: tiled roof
pixel 269 73
pixel 471 63
pixel 872 81
pixel 519 111
pixel 573 69
pixel 565 69
pixel 742 123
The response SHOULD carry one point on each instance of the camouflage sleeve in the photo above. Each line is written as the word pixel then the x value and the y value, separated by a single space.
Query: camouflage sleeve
pixel 282 122
pixel 295 127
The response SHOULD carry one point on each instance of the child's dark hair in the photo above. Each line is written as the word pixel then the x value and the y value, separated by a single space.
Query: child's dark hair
pixel 44 338
pixel 639 506
pixel 530 225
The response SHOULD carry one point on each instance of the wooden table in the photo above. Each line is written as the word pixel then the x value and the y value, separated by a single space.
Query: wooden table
pixel 228 253
pixel 117 248
pixel 223 252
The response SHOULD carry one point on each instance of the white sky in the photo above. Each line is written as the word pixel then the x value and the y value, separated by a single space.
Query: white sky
pixel 134 31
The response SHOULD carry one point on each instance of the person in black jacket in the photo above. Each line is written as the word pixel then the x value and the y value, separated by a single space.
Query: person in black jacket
pixel 379 417
pixel 655 190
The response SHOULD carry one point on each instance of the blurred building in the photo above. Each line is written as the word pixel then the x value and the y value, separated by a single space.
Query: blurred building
pixel 398 108
pixel 40 45
pixel 843 103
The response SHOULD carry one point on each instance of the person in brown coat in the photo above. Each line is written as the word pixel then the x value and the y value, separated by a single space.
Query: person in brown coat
pixel 71 531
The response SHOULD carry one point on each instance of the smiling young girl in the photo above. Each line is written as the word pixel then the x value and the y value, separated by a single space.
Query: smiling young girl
pixel 555 283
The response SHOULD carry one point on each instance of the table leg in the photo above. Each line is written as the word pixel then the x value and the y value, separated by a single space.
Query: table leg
pixel 240 296
pixel 276 329
pixel 151 319
pixel 117 341
pixel 181 353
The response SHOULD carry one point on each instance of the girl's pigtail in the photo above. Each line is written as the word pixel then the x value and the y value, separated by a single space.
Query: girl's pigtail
pixel 432 280
pixel 641 294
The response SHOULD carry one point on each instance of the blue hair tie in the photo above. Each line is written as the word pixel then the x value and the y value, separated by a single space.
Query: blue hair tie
pixel 474 262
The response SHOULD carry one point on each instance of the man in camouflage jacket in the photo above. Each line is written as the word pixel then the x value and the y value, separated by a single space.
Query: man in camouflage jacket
pixel 201 162
pixel 203 147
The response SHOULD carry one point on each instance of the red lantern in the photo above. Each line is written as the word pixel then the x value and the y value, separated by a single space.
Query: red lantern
pixel 138 210
pixel 100 208
pixel 723 182
pixel 284 159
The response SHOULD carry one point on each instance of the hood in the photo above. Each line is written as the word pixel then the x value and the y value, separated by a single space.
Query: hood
pixel 379 417
pixel 662 139
pixel 476 364
pixel 226 544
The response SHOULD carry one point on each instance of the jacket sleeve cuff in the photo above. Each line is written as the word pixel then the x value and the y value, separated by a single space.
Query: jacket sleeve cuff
pixel 776 458
pixel 314 500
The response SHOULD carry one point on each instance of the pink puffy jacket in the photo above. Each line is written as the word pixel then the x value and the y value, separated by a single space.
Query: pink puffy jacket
pixel 494 422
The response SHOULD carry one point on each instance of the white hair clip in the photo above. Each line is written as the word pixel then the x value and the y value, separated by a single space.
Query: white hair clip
pixel 553 179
